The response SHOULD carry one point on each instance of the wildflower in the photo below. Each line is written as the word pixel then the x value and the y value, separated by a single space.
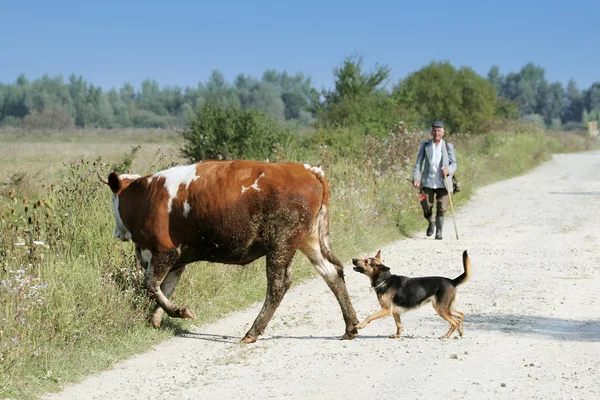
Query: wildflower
pixel 15 339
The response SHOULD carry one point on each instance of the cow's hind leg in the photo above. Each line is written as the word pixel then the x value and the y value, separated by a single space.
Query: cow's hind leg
pixel 279 280
pixel 334 277
pixel 160 266
pixel 167 286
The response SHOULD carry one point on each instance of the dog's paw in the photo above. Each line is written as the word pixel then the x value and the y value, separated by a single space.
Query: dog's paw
pixel 395 336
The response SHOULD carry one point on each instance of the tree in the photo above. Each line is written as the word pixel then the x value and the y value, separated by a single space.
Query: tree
pixel 150 98
pixel 358 99
pixel 461 98
pixel 592 96
pixel 119 110
pixel 574 103
pixel 496 79
pixel 351 82
pixel 78 92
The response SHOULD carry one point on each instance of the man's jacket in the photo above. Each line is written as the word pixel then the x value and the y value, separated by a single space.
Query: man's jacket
pixel 425 156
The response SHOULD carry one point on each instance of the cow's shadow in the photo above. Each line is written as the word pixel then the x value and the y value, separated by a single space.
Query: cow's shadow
pixel 527 325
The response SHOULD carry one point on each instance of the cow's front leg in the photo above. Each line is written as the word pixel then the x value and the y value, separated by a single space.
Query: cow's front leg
pixel 167 287
pixel 159 268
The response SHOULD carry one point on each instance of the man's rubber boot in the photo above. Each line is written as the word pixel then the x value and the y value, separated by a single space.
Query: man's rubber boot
pixel 439 224
pixel 430 227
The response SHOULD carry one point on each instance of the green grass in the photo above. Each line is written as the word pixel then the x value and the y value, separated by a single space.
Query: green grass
pixel 75 304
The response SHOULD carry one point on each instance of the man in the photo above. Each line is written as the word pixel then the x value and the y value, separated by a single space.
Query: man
pixel 440 162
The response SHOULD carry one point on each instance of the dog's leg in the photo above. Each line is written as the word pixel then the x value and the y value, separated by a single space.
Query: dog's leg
pixel 396 315
pixel 445 313
pixel 384 312
pixel 461 317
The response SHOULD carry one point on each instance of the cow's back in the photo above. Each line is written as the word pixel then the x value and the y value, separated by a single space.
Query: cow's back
pixel 230 211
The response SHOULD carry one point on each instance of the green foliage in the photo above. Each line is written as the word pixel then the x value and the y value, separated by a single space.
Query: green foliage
pixel 507 109
pixel 49 118
pixel 125 165
pixel 279 95
pixel 352 82
pixel 149 119
pixel 462 99
pixel 232 132
pixel 358 101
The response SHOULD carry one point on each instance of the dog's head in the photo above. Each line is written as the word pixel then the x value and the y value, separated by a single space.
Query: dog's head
pixel 370 266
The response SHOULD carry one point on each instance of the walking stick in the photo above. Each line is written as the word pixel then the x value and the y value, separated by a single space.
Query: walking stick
pixel 451 205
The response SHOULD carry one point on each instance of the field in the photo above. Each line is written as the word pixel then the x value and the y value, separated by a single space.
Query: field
pixel 72 300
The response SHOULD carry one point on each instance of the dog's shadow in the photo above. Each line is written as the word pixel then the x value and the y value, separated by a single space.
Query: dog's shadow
pixel 550 327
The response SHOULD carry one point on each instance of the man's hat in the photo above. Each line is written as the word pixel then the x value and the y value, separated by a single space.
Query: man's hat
pixel 438 124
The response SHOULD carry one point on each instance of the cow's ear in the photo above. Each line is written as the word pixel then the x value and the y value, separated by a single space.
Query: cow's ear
pixel 114 182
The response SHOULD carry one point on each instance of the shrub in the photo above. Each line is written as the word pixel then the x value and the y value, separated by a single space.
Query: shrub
pixel 49 118
pixel 233 132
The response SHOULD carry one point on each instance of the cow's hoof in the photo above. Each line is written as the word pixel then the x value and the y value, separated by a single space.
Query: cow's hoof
pixel 154 322
pixel 350 335
pixel 248 339
pixel 186 313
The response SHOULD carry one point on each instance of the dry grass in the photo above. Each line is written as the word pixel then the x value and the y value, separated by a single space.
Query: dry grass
pixel 28 160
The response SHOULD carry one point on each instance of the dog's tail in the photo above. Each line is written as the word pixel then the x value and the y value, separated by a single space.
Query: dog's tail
pixel 465 276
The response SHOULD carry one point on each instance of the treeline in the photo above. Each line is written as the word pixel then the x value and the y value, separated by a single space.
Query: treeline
pixel 569 108
pixel 53 103
pixel 359 98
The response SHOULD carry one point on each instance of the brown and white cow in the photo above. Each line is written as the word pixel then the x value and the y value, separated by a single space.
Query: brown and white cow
pixel 230 212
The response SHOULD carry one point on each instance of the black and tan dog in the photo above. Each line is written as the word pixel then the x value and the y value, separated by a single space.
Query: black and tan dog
pixel 398 294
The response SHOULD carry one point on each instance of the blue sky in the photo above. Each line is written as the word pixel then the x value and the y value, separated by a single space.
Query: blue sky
pixel 181 42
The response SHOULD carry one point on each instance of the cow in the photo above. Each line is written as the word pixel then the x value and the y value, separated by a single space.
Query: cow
pixel 229 212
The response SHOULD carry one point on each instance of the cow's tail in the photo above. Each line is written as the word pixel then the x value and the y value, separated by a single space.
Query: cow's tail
pixel 465 276
pixel 323 224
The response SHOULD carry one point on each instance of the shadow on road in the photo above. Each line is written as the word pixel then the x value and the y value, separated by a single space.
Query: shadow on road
pixel 552 328
pixel 578 193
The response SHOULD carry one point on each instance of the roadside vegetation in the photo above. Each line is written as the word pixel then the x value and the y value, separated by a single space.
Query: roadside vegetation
pixel 71 296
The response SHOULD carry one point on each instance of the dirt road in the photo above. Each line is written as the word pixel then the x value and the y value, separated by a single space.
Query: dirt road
pixel 532 327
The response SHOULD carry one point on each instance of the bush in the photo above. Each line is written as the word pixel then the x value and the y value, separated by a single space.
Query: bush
pixel 11 121
pixel 147 119
pixel 51 119
pixel 231 133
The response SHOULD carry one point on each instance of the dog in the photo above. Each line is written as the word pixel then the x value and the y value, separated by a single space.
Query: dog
pixel 397 294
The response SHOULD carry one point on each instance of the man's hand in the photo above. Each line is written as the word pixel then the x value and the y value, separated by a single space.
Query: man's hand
pixel 416 183
pixel 445 171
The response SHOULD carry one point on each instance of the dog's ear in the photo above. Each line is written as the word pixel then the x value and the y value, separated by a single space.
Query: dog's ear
pixel 378 256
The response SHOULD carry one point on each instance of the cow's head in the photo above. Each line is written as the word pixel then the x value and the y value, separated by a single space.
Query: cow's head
pixel 117 184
